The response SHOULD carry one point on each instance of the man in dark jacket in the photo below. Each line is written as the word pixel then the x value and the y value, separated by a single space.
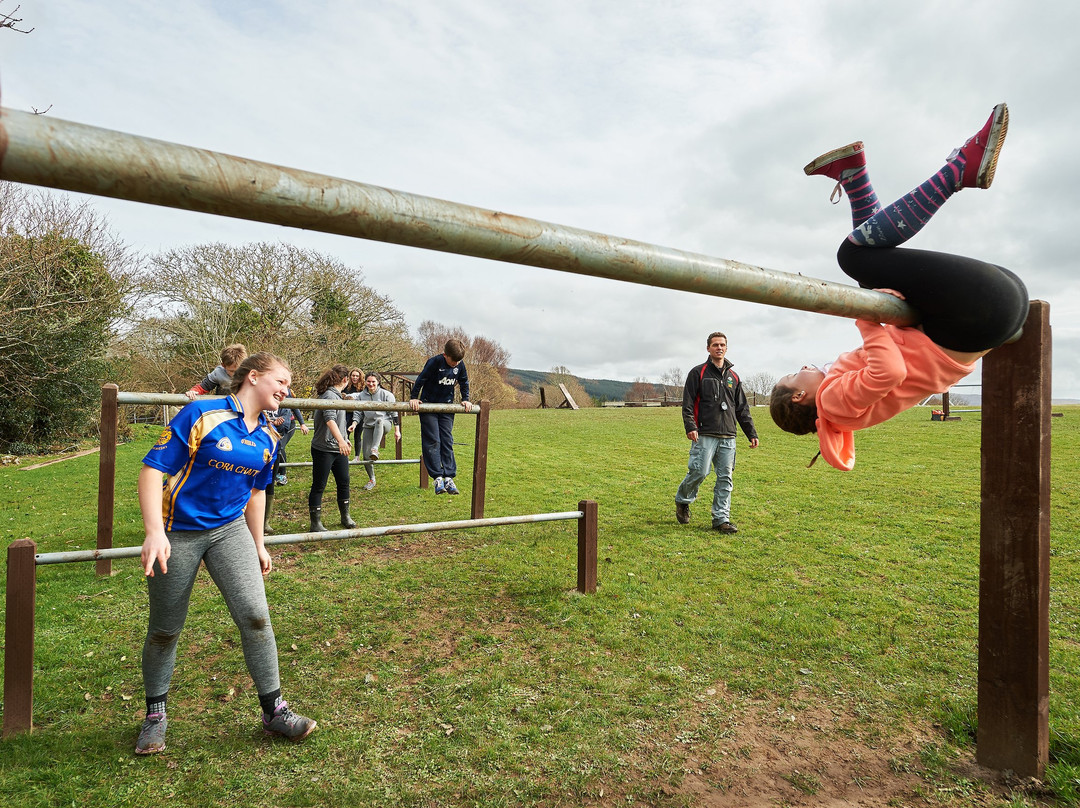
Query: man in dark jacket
pixel 713 401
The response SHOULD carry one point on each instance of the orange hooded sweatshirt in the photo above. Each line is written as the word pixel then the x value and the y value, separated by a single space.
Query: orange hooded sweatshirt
pixel 894 370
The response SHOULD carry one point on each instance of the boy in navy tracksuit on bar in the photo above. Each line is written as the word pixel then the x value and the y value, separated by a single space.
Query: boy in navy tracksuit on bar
pixel 435 385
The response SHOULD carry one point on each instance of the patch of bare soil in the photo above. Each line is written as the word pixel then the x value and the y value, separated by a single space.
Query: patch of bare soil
pixel 806 755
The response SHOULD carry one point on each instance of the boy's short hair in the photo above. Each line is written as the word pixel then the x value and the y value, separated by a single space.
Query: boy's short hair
pixel 233 355
pixel 791 416
pixel 454 350
pixel 713 336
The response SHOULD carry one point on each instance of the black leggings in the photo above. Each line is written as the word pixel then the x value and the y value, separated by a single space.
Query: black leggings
pixel 322 463
pixel 965 304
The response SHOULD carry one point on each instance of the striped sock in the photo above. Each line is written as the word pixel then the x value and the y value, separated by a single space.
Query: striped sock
pixel 896 223
pixel 860 193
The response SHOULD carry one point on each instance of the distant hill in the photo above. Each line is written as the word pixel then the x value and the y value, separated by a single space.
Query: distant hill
pixel 599 389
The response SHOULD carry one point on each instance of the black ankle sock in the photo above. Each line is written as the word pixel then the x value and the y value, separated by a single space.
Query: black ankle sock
pixel 270 701
pixel 156 704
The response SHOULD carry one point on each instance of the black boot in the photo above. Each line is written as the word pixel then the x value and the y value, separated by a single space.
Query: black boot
pixel 267 530
pixel 346 520
pixel 316 520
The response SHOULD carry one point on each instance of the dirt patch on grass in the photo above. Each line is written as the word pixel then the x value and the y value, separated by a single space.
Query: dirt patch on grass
pixel 762 754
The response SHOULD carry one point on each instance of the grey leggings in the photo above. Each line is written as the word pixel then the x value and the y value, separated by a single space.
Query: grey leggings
pixel 233 563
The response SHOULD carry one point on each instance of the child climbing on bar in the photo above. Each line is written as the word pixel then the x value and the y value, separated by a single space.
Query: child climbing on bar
pixel 967 307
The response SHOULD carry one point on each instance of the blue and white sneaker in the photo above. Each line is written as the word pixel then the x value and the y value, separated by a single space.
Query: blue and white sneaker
pixel 440 486
pixel 450 487
pixel 280 479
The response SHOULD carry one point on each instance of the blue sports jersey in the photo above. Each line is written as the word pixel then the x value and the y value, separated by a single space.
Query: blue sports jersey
pixel 435 383
pixel 213 463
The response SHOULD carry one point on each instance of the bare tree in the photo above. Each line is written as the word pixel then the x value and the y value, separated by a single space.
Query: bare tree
pixel 760 383
pixel 10 21
pixel 485 359
pixel 672 381
pixel 640 390
pixel 309 308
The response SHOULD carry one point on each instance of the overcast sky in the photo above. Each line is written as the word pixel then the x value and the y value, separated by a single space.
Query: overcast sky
pixel 683 124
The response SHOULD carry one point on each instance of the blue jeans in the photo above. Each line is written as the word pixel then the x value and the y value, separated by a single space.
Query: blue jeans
pixel 705 454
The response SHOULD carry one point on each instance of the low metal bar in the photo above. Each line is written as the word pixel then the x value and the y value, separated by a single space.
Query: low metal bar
pixel 48 151
pixel 404 462
pixel 73 556
pixel 179 400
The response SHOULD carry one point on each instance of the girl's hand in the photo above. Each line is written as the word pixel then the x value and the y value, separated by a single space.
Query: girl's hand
pixel 264 560
pixel 892 292
pixel 156 548
pixel 344 446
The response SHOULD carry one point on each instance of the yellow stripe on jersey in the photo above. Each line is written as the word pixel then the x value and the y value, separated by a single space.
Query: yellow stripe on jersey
pixel 207 423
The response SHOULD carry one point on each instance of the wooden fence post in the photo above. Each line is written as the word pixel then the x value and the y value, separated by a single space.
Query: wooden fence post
pixel 19 638
pixel 480 451
pixel 586 547
pixel 106 475
pixel 1014 558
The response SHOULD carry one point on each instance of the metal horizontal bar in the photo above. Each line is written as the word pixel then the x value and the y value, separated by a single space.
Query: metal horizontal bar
pixel 73 556
pixel 43 150
pixel 356 462
pixel 179 400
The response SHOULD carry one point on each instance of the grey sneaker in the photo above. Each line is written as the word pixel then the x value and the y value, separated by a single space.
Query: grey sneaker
pixel 152 735
pixel 725 527
pixel 449 487
pixel 369 485
pixel 682 512
pixel 284 723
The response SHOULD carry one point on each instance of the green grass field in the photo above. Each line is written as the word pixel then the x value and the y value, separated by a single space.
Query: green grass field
pixel 826 652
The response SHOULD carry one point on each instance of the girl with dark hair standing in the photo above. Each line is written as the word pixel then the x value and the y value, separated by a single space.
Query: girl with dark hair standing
pixel 330 450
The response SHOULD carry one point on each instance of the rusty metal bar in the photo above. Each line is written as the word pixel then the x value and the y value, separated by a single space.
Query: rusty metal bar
pixel 1014 553
pixel 19 638
pixel 106 474
pixel 73 556
pixel 48 151
pixel 358 462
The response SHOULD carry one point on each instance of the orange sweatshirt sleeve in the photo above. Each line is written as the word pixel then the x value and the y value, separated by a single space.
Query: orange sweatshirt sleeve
pixel 857 390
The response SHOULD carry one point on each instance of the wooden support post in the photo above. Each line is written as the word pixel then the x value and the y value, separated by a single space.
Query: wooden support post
pixel 586 547
pixel 106 475
pixel 1014 558
pixel 423 472
pixel 19 638
pixel 480 448
pixel 945 409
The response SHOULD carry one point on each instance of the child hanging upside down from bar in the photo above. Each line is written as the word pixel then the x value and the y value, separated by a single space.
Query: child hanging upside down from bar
pixel 967 307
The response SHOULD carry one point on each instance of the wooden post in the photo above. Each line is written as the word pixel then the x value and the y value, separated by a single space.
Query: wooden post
pixel 480 449
pixel 586 547
pixel 945 409
pixel 423 471
pixel 1014 558
pixel 19 638
pixel 106 475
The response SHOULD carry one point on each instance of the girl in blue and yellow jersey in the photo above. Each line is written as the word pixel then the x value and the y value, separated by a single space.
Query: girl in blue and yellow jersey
pixel 217 456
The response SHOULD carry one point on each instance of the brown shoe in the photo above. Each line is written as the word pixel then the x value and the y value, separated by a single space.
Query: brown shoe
pixel 682 512
pixel 725 527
